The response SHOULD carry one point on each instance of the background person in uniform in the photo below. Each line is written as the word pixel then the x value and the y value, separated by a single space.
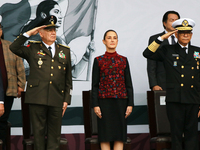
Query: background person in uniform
pixel 13 75
pixel 50 82
pixel 112 94
pixel 181 63
pixel 155 69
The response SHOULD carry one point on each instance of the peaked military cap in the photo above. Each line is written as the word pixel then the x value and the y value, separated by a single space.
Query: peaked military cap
pixel 50 22
pixel 183 24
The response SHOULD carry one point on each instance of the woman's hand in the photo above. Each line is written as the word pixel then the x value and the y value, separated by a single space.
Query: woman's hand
pixel 128 111
pixel 64 108
pixel 97 111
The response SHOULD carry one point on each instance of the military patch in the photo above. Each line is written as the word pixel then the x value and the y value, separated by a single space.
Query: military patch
pixel 196 54
pixel 41 53
pixel 62 55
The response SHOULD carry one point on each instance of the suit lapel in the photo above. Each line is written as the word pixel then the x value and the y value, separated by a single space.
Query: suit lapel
pixel 6 53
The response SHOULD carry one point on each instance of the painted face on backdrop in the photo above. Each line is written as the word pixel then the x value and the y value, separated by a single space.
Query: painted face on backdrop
pixel 56 11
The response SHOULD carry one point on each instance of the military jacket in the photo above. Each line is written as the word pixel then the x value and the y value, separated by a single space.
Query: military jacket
pixel 50 79
pixel 182 72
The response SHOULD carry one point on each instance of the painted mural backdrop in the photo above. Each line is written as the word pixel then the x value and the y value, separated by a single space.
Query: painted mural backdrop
pixel 82 24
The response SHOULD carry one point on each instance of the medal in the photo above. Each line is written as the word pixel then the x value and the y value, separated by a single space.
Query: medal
pixel 40 62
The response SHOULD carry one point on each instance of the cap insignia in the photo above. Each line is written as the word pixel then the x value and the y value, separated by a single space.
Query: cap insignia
pixel 185 23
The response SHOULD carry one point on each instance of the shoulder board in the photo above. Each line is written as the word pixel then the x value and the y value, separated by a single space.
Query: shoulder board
pixel 64 45
pixel 35 41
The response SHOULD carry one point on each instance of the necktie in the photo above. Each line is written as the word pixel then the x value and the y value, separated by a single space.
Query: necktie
pixel 49 48
pixel 173 41
pixel 184 51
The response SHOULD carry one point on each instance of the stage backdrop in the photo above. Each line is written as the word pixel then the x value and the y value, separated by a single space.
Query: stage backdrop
pixel 82 25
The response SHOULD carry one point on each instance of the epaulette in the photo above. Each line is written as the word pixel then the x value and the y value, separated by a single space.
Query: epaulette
pixel 34 42
pixel 64 45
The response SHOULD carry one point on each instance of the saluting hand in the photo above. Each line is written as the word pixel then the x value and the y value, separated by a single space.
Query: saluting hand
pixel 97 111
pixel 34 31
pixel 168 34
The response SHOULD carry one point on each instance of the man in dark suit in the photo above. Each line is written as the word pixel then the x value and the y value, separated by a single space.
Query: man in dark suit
pixel 1 95
pixel 182 83
pixel 155 69
pixel 13 76
pixel 49 85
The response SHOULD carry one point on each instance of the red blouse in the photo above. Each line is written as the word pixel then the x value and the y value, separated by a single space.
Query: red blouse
pixel 112 78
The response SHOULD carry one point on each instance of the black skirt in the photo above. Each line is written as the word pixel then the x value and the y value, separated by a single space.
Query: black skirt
pixel 113 125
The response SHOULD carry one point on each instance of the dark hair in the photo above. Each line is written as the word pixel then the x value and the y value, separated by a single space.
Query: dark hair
pixel 165 16
pixel 104 37
pixel 42 13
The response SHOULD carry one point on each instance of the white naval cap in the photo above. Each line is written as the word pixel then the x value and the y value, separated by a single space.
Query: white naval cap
pixel 183 24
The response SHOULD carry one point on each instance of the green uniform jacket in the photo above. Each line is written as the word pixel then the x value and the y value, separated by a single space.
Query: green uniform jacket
pixel 50 79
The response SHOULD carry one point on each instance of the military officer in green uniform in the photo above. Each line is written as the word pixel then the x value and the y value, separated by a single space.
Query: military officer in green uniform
pixel 181 63
pixel 49 85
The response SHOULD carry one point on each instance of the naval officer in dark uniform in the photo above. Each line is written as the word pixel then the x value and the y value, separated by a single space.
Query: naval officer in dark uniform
pixel 50 82
pixel 181 63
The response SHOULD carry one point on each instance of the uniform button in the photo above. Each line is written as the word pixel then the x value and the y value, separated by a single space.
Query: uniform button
pixel 52 74
pixel 192 77
pixel 191 86
pixel 181 84
pixel 182 75
pixel 52 60
pixel 63 63
pixel 31 86
pixel 50 82
pixel 51 67
pixel 192 68
pixel 182 66
pixel 62 91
